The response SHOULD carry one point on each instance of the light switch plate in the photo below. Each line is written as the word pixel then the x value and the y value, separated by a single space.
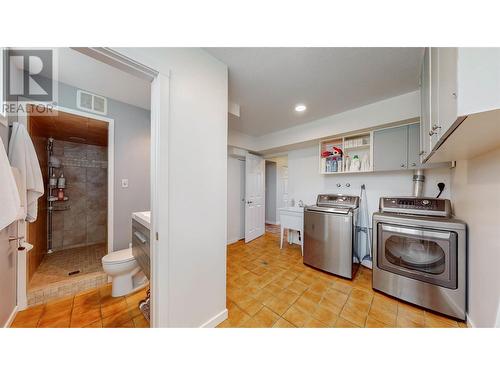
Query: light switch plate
pixel 124 183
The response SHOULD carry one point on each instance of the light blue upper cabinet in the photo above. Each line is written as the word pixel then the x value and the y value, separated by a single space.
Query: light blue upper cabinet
pixel 414 146
pixel 390 149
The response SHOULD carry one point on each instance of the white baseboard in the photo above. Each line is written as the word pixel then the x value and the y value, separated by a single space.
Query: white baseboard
pixel 233 240
pixel 11 318
pixel 216 320
pixel 469 321
pixel 272 222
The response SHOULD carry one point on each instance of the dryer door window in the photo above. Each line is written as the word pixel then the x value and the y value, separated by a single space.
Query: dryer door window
pixel 423 254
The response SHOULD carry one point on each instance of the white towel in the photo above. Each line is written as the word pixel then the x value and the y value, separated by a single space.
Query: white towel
pixel 22 156
pixel 10 202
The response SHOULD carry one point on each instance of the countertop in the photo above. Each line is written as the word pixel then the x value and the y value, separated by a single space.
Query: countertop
pixel 143 218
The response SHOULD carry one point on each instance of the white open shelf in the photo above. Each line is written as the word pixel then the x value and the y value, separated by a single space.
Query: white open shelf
pixel 360 145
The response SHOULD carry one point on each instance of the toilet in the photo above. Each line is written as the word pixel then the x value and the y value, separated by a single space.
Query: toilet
pixel 125 272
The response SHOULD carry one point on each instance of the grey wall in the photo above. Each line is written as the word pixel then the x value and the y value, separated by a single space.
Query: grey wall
pixel 132 161
pixel 271 193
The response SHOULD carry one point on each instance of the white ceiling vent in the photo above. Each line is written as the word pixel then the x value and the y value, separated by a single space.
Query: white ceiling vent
pixel 91 102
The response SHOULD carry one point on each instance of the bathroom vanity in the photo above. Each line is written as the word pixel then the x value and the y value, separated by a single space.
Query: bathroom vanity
pixel 141 225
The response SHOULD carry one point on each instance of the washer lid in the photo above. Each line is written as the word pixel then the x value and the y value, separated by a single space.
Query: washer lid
pixel 333 210
pixel 120 256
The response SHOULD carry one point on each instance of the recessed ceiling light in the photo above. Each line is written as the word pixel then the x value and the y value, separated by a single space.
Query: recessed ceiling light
pixel 300 108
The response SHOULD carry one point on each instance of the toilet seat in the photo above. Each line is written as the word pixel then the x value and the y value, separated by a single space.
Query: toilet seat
pixel 117 257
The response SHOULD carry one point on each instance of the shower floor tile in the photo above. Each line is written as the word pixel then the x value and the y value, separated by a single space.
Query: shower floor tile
pixel 52 279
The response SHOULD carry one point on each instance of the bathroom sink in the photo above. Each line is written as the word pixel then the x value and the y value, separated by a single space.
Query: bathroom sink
pixel 143 217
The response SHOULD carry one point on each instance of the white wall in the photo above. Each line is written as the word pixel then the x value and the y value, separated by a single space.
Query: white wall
pixel 241 140
pixel 194 236
pixel 478 80
pixel 235 194
pixel 305 182
pixel 271 192
pixel 476 199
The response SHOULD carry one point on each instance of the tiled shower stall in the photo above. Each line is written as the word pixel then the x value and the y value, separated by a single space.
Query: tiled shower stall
pixel 85 222
pixel 79 224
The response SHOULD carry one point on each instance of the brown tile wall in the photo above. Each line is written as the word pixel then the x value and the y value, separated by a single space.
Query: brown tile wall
pixel 85 169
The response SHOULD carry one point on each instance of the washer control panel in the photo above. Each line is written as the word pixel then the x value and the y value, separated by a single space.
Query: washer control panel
pixel 337 200
pixel 416 206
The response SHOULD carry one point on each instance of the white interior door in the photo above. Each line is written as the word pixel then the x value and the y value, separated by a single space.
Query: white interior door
pixel 255 213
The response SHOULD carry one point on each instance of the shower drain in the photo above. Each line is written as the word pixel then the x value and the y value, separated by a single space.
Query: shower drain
pixel 73 272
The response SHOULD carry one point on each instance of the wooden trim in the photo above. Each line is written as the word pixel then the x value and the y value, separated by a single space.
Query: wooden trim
pixel 11 318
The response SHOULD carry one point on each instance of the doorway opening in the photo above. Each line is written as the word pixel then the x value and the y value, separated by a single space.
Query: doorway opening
pixel 276 191
pixel 235 199
pixel 71 233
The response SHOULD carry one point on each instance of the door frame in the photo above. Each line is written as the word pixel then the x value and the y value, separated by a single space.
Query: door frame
pixel 160 110
pixel 248 157
pixel 22 281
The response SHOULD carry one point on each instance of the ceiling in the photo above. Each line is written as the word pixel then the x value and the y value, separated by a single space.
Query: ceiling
pixel 71 128
pixel 267 83
pixel 78 70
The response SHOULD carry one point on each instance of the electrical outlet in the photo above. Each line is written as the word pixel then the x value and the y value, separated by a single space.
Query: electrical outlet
pixel 124 183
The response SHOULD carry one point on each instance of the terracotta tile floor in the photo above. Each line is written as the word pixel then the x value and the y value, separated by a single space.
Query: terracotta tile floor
pixel 91 309
pixel 269 287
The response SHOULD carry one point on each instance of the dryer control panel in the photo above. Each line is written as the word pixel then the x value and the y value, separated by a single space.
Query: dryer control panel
pixel 416 206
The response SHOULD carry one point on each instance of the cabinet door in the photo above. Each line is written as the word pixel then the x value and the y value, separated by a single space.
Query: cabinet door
pixel 390 149
pixel 414 146
pixel 434 124
pixel 447 90
pixel 425 106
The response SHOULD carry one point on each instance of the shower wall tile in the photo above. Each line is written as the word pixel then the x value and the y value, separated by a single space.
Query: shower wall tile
pixel 74 237
pixel 97 218
pixel 75 175
pixel 58 148
pixel 75 150
pixel 85 169
pixel 76 190
pixel 74 221
pixel 58 220
pixel 78 205
pixel 97 176
pixel 57 239
pixel 96 234
pixel 97 153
